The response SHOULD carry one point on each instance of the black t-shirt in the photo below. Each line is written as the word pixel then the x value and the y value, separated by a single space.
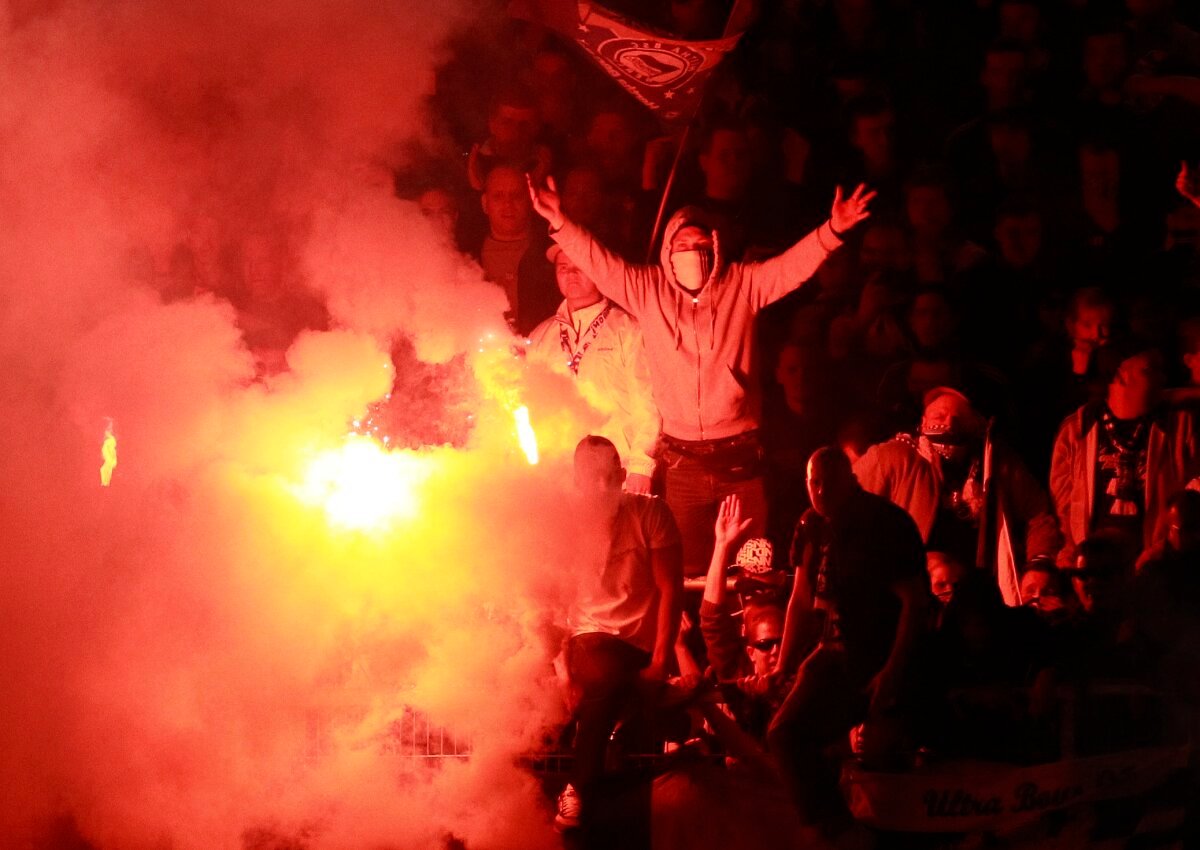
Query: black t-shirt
pixel 853 561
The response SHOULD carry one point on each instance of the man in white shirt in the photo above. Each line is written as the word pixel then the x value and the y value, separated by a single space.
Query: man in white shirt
pixel 625 614
pixel 600 346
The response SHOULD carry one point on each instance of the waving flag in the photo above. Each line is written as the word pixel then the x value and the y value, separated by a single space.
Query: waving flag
pixel 664 72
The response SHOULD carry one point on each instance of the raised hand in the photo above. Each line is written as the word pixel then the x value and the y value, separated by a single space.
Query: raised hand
pixel 848 212
pixel 546 201
pixel 1188 184
pixel 730 525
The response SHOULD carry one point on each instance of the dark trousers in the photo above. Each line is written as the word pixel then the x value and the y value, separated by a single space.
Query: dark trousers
pixel 604 669
pixel 824 704
pixel 699 475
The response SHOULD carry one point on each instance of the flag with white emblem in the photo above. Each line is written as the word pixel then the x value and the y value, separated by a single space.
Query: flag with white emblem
pixel 664 72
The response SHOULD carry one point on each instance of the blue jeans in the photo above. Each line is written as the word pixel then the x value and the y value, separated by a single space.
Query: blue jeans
pixel 699 475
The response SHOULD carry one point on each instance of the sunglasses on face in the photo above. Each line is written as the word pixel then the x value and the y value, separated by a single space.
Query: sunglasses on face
pixel 766 644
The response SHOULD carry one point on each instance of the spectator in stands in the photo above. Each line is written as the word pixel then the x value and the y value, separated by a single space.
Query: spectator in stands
pixel 1117 462
pixel 1003 301
pixel 1107 240
pixel 936 475
pixel 725 163
pixel 798 418
pixel 584 198
pixel 613 142
pixel 1105 640
pixel 1156 31
pixel 992 678
pixel 932 322
pixel 1048 591
pixel 554 84
pixel 440 208
pixel 875 154
pixel 513 253
pixel 514 126
pixel 945 573
pixel 860 566
pixel 626 610
pixel 940 250
pixel 743 645
pixel 1060 374
pixel 1168 598
pixel 597 343
pixel 1089 322
pixel 1105 62
pixel 884 247
pixel 697 316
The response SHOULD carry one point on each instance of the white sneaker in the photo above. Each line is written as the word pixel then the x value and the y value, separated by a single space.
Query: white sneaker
pixel 569 807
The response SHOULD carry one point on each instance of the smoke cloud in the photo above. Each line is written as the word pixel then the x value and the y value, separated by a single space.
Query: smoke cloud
pixel 201 246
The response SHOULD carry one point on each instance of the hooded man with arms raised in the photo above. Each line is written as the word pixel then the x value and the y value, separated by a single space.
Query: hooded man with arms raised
pixel 697 315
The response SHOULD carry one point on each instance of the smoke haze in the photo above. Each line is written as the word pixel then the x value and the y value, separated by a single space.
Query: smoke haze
pixel 201 246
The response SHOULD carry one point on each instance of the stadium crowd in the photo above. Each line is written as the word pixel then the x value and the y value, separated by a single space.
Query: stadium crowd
pixel 901 433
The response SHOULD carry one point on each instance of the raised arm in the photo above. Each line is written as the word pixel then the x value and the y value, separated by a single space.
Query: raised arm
pixel 1188 184
pixel 721 640
pixel 617 279
pixel 772 279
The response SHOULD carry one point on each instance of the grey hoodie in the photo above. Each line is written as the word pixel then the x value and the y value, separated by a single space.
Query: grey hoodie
pixel 700 346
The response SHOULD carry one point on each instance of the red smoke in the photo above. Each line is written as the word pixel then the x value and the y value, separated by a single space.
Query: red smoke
pixel 194 654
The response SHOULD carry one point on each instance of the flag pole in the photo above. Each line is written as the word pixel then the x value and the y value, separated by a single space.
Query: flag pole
pixel 662 204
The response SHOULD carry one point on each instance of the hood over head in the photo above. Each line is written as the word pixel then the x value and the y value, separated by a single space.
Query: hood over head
pixel 684 217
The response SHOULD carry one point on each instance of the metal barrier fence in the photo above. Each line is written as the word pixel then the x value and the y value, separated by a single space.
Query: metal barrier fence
pixel 412 735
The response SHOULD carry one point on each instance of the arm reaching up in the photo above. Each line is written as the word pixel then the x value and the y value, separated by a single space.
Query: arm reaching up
pixel 546 202
pixel 615 278
pixel 1188 184
pixel 729 527
pixel 772 279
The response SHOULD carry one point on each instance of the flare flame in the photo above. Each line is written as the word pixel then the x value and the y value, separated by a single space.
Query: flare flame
pixel 364 487
pixel 526 435
pixel 108 451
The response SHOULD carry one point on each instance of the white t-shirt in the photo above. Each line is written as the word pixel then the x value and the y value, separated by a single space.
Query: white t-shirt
pixel 617 595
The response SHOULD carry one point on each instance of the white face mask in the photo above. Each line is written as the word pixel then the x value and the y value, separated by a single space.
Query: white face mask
pixel 692 268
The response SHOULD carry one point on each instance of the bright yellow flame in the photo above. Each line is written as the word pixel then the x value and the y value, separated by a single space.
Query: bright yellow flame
pixel 525 434
pixel 364 487
pixel 108 451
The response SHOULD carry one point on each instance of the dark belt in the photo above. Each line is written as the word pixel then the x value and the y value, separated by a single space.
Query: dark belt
pixel 710 447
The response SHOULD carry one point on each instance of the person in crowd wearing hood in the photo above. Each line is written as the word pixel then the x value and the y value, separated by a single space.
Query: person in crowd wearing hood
pixel 1118 461
pixel 970 496
pixel 625 614
pixel 600 346
pixel 697 316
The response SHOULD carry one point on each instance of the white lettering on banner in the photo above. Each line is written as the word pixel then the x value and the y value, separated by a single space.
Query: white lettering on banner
pixel 978 796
